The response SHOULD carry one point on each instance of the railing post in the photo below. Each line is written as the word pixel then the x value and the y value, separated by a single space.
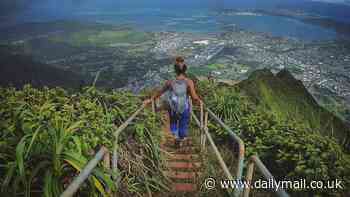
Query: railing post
pixel 153 106
pixel 115 166
pixel 201 119
pixel 191 108
pixel 107 165
pixel 266 173
pixel 201 115
pixel 107 161
pixel 205 126
pixel 249 177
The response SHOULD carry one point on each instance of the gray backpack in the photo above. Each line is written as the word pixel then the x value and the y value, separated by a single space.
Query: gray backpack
pixel 177 96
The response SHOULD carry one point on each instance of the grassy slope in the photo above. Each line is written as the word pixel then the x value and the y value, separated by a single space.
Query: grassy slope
pixel 287 98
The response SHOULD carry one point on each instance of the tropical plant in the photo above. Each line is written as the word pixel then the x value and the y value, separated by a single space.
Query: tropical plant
pixel 290 147
pixel 49 135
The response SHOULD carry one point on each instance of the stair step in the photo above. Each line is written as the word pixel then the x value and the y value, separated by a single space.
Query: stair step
pixel 181 175
pixel 187 157
pixel 171 145
pixel 184 165
pixel 172 138
pixel 184 187
pixel 182 150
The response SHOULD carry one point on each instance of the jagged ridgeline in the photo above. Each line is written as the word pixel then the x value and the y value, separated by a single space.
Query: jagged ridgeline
pixel 48 135
pixel 287 98
pixel 280 121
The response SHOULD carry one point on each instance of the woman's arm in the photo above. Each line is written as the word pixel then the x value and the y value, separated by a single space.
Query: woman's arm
pixel 158 93
pixel 161 91
pixel 193 92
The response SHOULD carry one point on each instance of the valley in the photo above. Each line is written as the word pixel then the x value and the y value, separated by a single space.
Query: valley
pixel 128 58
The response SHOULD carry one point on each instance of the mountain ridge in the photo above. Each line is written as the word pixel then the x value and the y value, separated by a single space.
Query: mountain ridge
pixel 18 70
pixel 288 98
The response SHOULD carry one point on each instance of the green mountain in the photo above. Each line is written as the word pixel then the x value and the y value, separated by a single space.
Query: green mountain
pixel 17 70
pixel 287 98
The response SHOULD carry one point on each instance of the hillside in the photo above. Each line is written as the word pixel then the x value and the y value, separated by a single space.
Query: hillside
pixel 275 117
pixel 287 98
pixel 63 131
pixel 18 70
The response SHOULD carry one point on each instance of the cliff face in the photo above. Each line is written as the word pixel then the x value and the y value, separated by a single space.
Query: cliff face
pixel 288 98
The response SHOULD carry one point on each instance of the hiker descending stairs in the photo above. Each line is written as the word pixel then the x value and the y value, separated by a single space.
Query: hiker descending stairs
pixel 183 163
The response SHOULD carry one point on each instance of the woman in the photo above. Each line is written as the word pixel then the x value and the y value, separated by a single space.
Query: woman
pixel 178 92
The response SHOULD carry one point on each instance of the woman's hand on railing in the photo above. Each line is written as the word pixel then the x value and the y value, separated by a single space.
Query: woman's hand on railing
pixel 199 102
pixel 147 102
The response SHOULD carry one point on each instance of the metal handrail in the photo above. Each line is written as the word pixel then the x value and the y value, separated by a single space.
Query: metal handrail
pixel 116 135
pixel 252 160
pixel 255 161
pixel 238 140
pixel 204 128
pixel 217 153
pixel 87 170
pixel 84 174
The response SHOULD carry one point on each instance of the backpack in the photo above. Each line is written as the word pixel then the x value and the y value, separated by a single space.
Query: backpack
pixel 177 96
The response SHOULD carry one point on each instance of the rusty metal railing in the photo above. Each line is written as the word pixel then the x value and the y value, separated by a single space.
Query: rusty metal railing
pixel 85 173
pixel 255 161
pixel 203 125
pixel 103 153
pixel 235 138
pixel 115 144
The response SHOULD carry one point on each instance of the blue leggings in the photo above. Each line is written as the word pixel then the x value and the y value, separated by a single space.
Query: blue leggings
pixel 178 126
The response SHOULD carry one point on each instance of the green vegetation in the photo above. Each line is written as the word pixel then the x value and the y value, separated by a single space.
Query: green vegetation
pixel 289 146
pixel 287 98
pixel 48 135
pixel 198 71
pixel 201 70
pixel 335 105
pixel 103 38
pixel 216 66
pixel 27 70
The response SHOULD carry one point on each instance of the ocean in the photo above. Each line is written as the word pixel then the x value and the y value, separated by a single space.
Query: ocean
pixel 190 20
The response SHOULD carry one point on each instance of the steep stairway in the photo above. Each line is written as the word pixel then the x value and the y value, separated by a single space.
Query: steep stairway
pixel 183 164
